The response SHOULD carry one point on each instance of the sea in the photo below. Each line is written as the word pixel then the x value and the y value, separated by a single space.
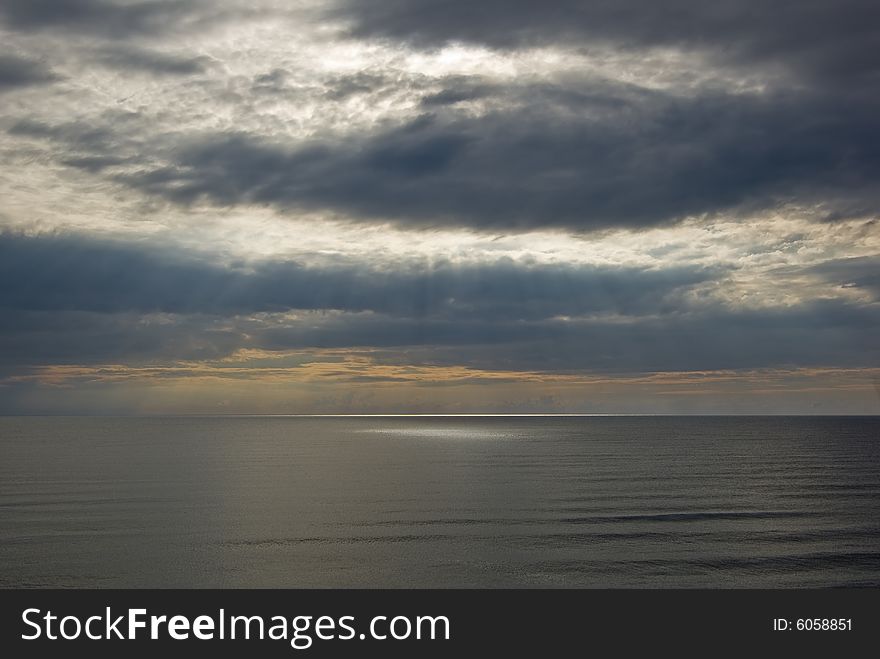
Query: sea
pixel 440 502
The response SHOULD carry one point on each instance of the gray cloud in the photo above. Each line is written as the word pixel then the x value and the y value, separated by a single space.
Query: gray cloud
pixel 817 334
pixel 130 58
pixel 579 154
pixel 18 72
pixel 857 272
pixel 79 135
pixel 106 18
pixel 612 157
pixel 829 333
pixel 458 91
pixel 112 141
pixel 34 338
pixel 71 301
pixel 815 38
pixel 66 274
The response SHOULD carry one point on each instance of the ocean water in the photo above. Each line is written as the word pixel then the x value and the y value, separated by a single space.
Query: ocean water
pixel 633 502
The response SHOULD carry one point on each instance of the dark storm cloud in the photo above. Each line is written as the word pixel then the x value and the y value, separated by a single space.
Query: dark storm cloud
pixel 69 301
pixel 609 157
pixel 575 153
pixel 32 338
pixel 813 334
pixel 65 274
pixel 106 18
pixel 817 334
pixel 21 72
pixel 817 39
pixel 579 153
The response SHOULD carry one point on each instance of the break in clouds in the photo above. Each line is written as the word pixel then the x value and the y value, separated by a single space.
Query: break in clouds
pixel 528 193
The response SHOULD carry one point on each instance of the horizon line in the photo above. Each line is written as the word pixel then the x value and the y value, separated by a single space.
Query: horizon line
pixel 449 415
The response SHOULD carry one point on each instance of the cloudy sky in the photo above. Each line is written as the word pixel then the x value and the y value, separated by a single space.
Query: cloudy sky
pixel 339 206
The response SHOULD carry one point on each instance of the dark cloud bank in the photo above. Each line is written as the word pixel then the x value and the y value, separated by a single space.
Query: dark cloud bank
pixel 653 160
pixel 56 273
pixel 816 39
pixel 579 154
pixel 65 300
pixel 611 158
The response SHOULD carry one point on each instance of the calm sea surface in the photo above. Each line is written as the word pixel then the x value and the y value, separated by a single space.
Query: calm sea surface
pixel 437 502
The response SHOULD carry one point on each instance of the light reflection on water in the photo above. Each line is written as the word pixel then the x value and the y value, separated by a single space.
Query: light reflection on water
pixel 442 432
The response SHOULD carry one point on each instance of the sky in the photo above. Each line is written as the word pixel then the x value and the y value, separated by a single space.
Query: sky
pixel 439 206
